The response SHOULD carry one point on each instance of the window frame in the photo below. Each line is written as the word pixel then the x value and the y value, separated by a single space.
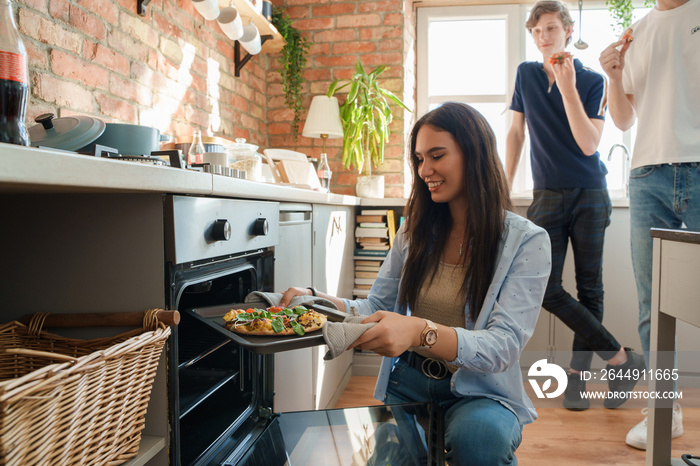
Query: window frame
pixel 515 16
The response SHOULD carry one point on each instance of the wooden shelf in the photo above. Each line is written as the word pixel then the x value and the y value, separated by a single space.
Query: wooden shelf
pixel 248 15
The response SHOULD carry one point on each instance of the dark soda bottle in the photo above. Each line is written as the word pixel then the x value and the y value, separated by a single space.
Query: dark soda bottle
pixel 14 86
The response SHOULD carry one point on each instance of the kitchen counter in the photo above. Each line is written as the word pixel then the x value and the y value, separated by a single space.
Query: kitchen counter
pixel 29 169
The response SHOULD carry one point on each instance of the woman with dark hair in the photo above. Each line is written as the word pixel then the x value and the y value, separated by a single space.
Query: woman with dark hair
pixel 458 296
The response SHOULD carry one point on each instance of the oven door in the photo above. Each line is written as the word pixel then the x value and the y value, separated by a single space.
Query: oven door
pixel 406 434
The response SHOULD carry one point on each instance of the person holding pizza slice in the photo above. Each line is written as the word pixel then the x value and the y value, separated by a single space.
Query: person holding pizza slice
pixel 654 81
pixel 458 296
pixel 563 104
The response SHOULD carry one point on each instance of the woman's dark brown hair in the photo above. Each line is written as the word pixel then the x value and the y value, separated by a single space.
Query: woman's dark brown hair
pixel 428 223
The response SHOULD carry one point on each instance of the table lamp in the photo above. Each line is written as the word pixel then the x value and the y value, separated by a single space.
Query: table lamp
pixel 323 121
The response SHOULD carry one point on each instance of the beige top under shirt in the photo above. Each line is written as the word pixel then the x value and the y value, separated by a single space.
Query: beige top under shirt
pixel 442 300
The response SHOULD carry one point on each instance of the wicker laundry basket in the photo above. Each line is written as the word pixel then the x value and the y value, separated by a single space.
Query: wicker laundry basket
pixel 67 401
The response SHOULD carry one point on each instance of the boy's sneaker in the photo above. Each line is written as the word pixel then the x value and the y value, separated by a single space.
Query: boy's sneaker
pixel 624 380
pixel 637 436
pixel 573 400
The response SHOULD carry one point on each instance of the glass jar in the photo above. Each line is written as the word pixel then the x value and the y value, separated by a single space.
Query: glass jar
pixel 245 157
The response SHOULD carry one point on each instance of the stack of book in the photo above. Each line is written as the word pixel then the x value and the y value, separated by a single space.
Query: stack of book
pixel 374 235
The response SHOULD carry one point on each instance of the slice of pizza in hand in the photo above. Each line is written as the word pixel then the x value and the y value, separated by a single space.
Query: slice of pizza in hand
pixel 627 36
pixel 558 58
pixel 274 321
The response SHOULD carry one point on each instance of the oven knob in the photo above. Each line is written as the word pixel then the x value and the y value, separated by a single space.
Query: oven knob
pixel 261 227
pixel 221 230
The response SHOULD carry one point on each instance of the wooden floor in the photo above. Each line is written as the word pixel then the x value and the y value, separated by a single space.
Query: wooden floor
pixel 562 437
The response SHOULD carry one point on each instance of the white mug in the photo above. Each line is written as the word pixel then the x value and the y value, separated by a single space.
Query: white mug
pixel 250 40
pixel 230 22
pixel 209 9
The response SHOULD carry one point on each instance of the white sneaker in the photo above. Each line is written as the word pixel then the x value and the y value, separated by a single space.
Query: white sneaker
pixel 637 436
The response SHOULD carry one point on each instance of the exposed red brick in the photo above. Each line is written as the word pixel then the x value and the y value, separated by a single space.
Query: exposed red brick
pixel 379 33
pixel 63 93
pixel 336 9
pixel 101 55
pixel 354 21
pixel 48 32
pixel 311 24
pixel 379 6
pixel 87 23
pixel 69 66
pixel 108 11
pixel 116 108
pixel 354 47
pixel 335 35
pixel 60 10
pixel 393 20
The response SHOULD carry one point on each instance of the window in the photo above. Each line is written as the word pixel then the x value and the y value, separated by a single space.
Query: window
pixel 471 53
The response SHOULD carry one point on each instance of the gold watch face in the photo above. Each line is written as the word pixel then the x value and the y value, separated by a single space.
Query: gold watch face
pixel 430 337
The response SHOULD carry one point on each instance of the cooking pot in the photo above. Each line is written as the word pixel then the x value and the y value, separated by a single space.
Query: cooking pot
pixel 129 139
pixel 80 133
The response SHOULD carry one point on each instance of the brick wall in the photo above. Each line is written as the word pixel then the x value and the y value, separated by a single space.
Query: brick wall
pixel 340 32
pixel 173 70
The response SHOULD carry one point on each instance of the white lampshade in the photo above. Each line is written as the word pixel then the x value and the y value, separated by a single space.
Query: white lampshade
pixel 323 118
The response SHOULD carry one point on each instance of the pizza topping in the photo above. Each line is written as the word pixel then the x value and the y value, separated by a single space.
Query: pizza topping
pixel 274 320
pixel 559 57
pixel 627 36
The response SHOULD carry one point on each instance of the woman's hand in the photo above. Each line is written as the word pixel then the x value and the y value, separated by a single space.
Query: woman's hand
pixel 393 334
pixel 292 292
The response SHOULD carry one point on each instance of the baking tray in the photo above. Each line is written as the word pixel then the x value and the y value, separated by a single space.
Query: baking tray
pixel 213 316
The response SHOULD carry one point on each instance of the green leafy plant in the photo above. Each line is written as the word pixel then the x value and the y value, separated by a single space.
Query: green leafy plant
pixel 621 11
pixel 366 116
pixel 293 61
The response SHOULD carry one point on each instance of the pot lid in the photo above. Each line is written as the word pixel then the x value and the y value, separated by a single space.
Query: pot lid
pixel 241 147
pixel 66 133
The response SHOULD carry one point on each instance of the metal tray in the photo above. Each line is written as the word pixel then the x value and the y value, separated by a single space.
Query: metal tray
pixel 213 316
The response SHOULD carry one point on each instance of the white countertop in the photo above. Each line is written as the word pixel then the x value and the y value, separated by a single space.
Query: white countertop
pixel 28 169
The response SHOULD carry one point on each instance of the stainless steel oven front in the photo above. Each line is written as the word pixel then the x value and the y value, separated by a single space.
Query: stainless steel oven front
pixel 217 252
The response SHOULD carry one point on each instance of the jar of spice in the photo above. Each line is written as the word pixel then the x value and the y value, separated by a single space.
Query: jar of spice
pixel 245 157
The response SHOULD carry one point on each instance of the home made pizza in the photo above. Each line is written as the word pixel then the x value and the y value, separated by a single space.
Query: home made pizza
pixel 274 321
pixel 559 57
pixel 627 36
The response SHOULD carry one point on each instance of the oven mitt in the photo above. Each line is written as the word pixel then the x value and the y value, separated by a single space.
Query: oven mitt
pixel 274 299
pixel 340 335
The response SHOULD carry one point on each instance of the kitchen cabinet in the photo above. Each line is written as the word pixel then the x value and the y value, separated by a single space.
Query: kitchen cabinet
pixel 332 272
pixel 64 253
pixel 293 385
pixel 315 249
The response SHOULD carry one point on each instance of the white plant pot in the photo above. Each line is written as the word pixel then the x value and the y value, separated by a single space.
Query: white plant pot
pixel 370 186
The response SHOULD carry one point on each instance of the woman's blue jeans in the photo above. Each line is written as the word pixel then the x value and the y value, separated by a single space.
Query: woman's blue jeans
pixel 661 196
pixel 478 431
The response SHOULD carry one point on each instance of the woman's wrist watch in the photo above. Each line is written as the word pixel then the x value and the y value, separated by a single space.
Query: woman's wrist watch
pixel 313 290
pixel 429 335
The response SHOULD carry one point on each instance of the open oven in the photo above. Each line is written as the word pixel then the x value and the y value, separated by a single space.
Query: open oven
pixel 221 384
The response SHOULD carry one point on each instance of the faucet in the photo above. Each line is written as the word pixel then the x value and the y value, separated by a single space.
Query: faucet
pixel 626 173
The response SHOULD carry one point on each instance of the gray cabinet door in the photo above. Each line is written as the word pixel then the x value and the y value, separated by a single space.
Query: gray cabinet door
pixel 293 382
pixel 333 247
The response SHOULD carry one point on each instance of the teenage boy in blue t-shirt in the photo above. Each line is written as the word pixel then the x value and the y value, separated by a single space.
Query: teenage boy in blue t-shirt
pixel 564 106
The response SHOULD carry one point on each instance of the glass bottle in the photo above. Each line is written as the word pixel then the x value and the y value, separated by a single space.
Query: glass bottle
pixel 14 84
pixel 196 152
pixel 324 172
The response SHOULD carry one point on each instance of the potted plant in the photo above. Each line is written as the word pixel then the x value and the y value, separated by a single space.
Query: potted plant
pixel 366 117
pixel 293 61
pixel 621 12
